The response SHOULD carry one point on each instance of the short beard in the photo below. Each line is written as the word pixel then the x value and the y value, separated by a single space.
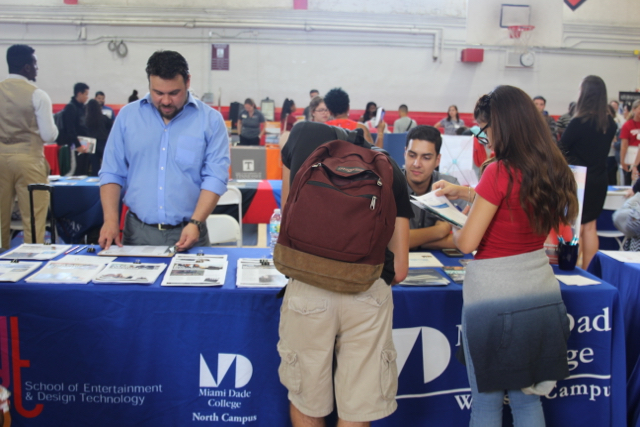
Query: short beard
pixel 169 116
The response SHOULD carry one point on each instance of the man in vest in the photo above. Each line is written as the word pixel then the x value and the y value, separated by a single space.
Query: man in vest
pixel 26 123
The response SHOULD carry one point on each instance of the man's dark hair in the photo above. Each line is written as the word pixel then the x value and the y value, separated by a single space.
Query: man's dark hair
pixel 18 56
pixel 167 64
pixel 337 101
pixel 98 93
pixel 425 133
pixel 79 88
pixel 314 90
pixel 540 98
pixel 404 108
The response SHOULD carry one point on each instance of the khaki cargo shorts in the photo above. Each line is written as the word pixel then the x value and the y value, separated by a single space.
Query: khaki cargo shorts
pixel 338 343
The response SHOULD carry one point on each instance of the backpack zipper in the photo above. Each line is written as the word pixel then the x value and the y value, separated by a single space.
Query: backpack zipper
pixel 373 198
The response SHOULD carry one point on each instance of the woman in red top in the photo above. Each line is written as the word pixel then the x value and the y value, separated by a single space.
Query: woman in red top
pixel 514 322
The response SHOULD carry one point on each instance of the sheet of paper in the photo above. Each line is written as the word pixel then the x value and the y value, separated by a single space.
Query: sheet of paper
pixel 624 256
pixel 63 272
pixel 576 280
pixel 30 251
pixel 441 207
pixel 138 251
pixel 13 272
pixel 256 273
pixel 423 259
pixel 196 270
pixel 128 272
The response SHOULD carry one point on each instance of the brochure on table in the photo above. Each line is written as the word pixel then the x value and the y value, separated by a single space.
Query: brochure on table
pixel 87 259
pixel 31 251
pixel 259 273
pixel 441 207
pixel 139 251
pixel 196 270
pixel 129 272
pixel 456 273
pixel 66 272
pixel 423 259
pixel 424 277
pixel 15 271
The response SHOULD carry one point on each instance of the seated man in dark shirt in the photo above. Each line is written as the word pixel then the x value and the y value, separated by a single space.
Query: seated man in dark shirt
pixel 421 158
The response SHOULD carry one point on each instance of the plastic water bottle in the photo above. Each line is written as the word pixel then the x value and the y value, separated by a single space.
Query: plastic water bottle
pixel 274 229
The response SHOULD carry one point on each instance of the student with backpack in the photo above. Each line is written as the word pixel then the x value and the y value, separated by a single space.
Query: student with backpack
pixel 343 308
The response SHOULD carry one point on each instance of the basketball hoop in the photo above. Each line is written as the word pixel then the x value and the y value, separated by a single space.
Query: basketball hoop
pixel 516 30
pixel 521 35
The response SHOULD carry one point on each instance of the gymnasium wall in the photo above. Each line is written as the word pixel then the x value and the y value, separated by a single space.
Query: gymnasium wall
pixel 384 51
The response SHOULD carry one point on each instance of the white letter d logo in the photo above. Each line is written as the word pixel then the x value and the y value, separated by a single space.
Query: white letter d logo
pixel 244 370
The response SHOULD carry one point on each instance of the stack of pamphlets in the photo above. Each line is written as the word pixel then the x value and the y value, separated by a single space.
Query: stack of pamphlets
pixel 35 251
pixel 196 270
pixel 259 273
pixel 129 272
pixel 424 277
pixel 15 271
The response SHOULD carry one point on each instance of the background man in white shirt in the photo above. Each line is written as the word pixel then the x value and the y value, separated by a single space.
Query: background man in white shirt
pixel 26 123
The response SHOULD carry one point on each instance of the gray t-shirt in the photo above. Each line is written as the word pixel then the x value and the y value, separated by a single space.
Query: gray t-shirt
pixel 450 127
pixel 251 124
pixel 422 218
pixel 403 124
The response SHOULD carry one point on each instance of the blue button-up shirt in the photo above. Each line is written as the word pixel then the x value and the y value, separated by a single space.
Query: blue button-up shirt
pixel 163 167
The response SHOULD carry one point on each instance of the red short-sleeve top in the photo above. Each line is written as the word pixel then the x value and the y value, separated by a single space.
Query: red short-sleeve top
pixel 509 232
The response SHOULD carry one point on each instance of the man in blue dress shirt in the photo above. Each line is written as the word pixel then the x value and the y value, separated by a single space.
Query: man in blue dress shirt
pixel 170 153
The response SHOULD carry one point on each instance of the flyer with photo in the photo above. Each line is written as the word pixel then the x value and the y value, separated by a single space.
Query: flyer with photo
pixel 259 273
pixel 30 251
pixel 66 272
pixel 196 270
pixel 15 271
pixel 129 272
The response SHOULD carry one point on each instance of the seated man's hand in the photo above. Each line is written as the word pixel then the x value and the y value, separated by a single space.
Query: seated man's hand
pixel 189 237
pixel 109 233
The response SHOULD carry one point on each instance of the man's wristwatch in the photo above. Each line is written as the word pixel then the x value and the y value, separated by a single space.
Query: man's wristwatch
pixel 196 222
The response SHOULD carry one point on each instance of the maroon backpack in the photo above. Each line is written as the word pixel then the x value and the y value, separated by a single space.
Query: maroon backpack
pixel 338 219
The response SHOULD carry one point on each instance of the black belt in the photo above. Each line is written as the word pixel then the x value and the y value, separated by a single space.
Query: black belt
pixel 161 227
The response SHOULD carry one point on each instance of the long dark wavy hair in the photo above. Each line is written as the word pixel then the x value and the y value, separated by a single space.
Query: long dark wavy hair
pixel 522 142
pixel 367 115
pixel 592 102
pixel 93 114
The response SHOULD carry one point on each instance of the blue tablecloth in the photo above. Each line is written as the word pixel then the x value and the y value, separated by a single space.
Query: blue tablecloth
pixel 626 277
pixel 137 355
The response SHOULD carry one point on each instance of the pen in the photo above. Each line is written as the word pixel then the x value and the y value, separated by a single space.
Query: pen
pixel 80 250
pixel 71 250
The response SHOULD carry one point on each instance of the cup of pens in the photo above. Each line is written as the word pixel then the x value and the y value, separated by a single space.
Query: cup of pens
pixel 567 253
